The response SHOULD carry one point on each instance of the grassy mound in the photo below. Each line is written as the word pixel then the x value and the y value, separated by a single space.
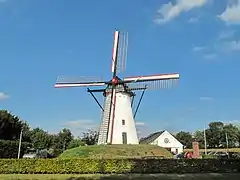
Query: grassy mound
pixel 116 151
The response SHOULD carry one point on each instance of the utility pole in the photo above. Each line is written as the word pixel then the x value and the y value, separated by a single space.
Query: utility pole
pixel 20 143
pixel 205 141
pixel 227 143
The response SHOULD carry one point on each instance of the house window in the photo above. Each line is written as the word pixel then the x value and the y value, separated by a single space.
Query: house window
pixel 123 122
pixel 124 137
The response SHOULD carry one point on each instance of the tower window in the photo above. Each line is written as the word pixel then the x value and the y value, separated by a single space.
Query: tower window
pixel 123 122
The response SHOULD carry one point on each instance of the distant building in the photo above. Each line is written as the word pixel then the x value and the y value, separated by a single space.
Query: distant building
pixel 164 139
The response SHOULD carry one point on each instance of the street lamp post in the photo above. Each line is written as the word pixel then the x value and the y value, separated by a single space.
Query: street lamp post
pixel 20 143
pixel 227 144
pixel 205 141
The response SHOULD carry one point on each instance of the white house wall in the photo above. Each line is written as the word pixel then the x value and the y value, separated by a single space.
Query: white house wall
pixel 172 143
pixel 123 111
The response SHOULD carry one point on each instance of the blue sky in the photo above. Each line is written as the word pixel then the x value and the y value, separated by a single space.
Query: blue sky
pixel 41 39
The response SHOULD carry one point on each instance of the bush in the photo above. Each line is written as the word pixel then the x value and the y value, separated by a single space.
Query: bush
pixel 62 166
pixel 120 166
pixel 209 156
pixel 186 166
pixel 9 149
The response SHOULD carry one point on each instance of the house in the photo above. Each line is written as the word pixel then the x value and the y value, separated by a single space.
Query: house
pixel 164 139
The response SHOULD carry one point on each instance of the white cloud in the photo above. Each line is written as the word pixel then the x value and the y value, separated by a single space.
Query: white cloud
pixel 227 47
pixel 88 124
pixel 193 20
pixel 198 48
pixel 206 98
pixel 224 44
pixel 140 123
pixel 190 109
pixel 231 15
pixel 231 46
pixel 210 56
pixel 70 51
pixel 81 124
pixel 78 123
pixel 226 34
pixel 169 11
pixel 224 47
pixel 234 122
pixel 3 95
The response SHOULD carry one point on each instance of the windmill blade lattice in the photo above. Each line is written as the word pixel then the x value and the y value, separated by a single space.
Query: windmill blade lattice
pixel 63 81
pixel 152 85
pixel 160 81
pixel 78 79
pixel 122 52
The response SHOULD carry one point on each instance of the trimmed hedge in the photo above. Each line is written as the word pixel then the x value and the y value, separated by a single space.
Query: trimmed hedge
pixel 120 166
pixel 9 149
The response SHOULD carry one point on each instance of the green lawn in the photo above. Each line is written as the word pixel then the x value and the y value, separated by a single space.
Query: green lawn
pixel 46 177
pixel 206 176
pixel 116 151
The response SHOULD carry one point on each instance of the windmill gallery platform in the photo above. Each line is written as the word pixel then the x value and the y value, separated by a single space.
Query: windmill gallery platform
pixel 117 123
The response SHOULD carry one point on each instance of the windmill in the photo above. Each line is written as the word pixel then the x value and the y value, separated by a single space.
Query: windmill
pixel 117 123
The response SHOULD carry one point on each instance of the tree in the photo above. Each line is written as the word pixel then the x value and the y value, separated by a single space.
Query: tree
pixel 57 143
pixel 10 130
pixel 90 137
pixel 56 146
pixel 185 138
pixel 215 134
pixel 9 149
pixel 10 126
pixel 75 143
pixel 232 133
pixel 199 137
pixel 40 139
pixel 64 137
pixel 26 136
pixel 238 137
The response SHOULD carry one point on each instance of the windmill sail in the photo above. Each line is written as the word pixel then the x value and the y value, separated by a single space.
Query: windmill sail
pixel 122 52
pixel 161 81
pixel 78 81
pixel 115 52
pixel 119 55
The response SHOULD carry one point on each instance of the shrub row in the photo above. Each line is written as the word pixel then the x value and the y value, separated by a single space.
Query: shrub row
pixel 9 149
pixel 90 166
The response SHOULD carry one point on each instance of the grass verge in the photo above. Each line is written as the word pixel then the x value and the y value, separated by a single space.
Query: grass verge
pixel 217 150
pixel 205 176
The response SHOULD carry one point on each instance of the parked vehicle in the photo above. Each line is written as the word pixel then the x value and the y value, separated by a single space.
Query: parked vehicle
pixel 188 155
pixel 219 154
pixel 234 155
pixel 30 153
pixel 36 153
pixel 180 156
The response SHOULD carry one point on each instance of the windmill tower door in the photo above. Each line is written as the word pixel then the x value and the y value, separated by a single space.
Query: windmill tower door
pixel 124 137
